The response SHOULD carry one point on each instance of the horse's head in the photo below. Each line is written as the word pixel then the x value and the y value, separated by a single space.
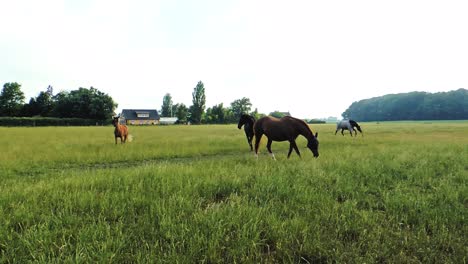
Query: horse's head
pixel 242 120
pixel 313 145
pixel 241 123
pixel 355 124
pixel 115 120
pixel 358 128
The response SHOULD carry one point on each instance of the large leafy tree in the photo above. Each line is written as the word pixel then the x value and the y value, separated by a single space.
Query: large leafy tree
pixel 181 112
pixel 241 106
pixel 42 105
pixel 84 103
pixel 166 108
pixel 198 103
pixel 215 114
pixel 11 99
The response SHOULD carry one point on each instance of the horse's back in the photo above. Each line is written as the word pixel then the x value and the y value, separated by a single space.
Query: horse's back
pixel 285 128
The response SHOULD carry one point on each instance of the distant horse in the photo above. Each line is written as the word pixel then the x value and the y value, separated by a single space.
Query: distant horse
pixel 287 128
pixel 120 131
pixel 248 122
pixel 350 125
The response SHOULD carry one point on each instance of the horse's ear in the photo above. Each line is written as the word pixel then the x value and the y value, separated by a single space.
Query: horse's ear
pixel 316 134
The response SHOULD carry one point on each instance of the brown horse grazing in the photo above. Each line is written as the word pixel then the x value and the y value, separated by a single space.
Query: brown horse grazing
pixel 287 128
pixel 248 122
pixel 120 131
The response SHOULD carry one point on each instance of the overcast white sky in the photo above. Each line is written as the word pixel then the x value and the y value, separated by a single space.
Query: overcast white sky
pixel 312 58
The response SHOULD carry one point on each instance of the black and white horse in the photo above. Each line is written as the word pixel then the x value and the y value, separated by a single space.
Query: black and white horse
pixel 348 124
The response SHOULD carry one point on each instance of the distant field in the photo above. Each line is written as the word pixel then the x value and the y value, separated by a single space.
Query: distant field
pixel 189 194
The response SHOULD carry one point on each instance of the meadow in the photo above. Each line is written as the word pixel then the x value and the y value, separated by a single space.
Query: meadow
pixel 196 194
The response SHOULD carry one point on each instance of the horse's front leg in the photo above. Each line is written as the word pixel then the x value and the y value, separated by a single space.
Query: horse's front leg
pixel 269 148
pixel 342 131
pixel 249 139
pixel 295 148
pixel 116 140
pixel 290 148
pixel 292 145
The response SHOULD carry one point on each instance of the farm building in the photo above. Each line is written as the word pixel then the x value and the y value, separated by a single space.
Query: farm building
pixel 140 116
pixel 167 120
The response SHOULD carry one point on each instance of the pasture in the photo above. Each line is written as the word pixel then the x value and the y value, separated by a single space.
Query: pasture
pixel 196 194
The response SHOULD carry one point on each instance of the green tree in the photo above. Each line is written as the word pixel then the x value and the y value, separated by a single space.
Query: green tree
pixel 215 115
pixel 11 99
pixel 241 106
pixel 42 105
pixel 181 112
pixel 166 108
pixel 84 103
pixel 256 114
pixel 277 114
pixel 198 103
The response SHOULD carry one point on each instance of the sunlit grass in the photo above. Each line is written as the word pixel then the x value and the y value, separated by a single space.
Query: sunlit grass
pixel 196 194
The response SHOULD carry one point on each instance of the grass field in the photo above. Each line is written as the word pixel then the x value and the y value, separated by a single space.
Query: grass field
pixel 185 194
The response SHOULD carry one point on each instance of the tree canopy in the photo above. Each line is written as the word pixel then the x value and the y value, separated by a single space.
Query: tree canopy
pixel 11 99
pixel 451 105
pixel 241 106
pixel 166 108
pixel 84 103
pixel 198 103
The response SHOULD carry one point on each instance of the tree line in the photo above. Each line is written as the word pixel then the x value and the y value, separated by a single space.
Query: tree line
pixel 451 105
pixel 81 103
pixel 197 113
pixel 93 104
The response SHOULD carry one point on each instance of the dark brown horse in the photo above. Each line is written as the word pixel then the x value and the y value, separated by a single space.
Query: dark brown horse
pixel 287 128
pixel 120 131
pixel 248 122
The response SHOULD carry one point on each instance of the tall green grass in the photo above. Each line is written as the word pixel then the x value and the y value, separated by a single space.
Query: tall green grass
pixel 196 194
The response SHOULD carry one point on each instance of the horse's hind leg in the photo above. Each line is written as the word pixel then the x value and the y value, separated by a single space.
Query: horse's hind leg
pixel 257 143
pixel 269 148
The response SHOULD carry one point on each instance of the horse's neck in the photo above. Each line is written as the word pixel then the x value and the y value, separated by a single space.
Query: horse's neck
pixel 305 131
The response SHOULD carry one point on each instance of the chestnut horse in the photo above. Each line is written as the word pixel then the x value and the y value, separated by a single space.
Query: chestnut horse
pixel 120 131
pixel 287 128
pixel 248 122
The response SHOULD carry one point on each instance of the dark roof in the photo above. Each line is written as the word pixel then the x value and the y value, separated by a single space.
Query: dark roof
pixel 132 114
